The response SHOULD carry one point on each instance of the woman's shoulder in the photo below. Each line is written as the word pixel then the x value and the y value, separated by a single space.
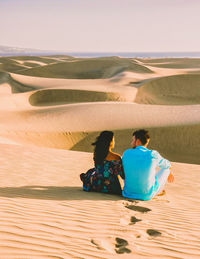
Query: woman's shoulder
pixel 113 157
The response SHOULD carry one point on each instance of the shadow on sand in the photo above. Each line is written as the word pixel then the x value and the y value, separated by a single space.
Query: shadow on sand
pixel 54 193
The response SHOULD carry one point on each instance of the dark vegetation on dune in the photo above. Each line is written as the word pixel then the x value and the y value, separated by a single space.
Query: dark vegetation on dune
pixel 31 64
pixel 93 68
pixel 64 96
pixel 16 87
pixel 68 67
pixel 10 64
pixel 173 62
pixel 59 57
pixel 171 90
pixel 34 58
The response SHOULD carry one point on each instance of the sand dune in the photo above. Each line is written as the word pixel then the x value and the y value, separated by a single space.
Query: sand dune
pixel 31 62
pixel 115 84
pixel 49 105
pixel 11 65
pixel 180 63
pixel 177 143
pixel 41 117
pixel 100 116
pixel 63 96
pixel 88 68
pixel 172 90
pixel 49 126
pixel 21 63
pixel 47 215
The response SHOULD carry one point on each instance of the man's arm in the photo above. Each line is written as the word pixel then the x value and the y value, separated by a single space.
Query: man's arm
pixel 170 178
pixel 161 162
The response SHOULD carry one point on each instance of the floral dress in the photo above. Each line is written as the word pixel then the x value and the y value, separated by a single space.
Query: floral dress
pixel 103 178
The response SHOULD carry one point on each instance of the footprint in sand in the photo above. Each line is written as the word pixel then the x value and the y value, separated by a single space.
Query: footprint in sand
pixel 132 201
pixel 138 208
pixel 153 232
pixel 118 245
pixel 96 243
pixel 121 246
pixel 134 220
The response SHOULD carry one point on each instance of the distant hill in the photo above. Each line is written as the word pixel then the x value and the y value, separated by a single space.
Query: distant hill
pixel 15 51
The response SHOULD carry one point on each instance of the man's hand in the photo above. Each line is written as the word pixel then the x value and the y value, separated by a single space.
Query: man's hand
pixel 170 178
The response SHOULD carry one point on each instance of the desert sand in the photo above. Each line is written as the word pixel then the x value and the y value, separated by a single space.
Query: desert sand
pixel 51 109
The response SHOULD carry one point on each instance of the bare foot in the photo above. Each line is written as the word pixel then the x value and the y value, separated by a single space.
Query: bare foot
pixel 163 192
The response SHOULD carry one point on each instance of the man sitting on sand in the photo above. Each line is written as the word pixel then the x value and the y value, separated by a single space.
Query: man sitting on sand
pixel 142 182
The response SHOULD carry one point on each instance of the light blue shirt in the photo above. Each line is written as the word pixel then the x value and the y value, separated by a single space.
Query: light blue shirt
pixel 140 172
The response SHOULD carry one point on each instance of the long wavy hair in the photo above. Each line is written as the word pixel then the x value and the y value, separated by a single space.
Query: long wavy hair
pixel 102 145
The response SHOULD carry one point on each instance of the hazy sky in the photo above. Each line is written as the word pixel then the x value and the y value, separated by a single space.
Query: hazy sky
pixel 101 25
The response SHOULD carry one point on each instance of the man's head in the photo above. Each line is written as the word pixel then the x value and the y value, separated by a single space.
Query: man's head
pixel 140 138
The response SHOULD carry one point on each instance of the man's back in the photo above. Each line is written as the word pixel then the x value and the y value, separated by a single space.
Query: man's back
pixel 140 169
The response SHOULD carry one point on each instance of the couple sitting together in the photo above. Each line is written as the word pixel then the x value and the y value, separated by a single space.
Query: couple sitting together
pixel 138 168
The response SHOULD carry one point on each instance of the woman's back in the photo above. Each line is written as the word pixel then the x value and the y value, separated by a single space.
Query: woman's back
pixel 113 156
pixel 108 165
pixel 107 174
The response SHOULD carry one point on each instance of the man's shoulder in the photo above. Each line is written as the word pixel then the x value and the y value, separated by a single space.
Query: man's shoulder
pixel 142 152
pixel 155 153
pixel 127 151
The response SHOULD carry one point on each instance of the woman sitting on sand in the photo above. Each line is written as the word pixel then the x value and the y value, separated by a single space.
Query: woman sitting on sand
pixel 108 167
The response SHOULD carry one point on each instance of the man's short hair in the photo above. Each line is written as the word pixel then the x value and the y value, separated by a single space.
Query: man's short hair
pixel 142 135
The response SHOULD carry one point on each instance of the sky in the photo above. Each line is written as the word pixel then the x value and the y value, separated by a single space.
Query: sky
pixel 101 25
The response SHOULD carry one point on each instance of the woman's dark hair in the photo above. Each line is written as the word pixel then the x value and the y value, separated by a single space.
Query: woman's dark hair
pixel 102 145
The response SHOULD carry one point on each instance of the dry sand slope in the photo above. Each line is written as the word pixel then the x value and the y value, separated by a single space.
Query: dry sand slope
pixel 61 102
